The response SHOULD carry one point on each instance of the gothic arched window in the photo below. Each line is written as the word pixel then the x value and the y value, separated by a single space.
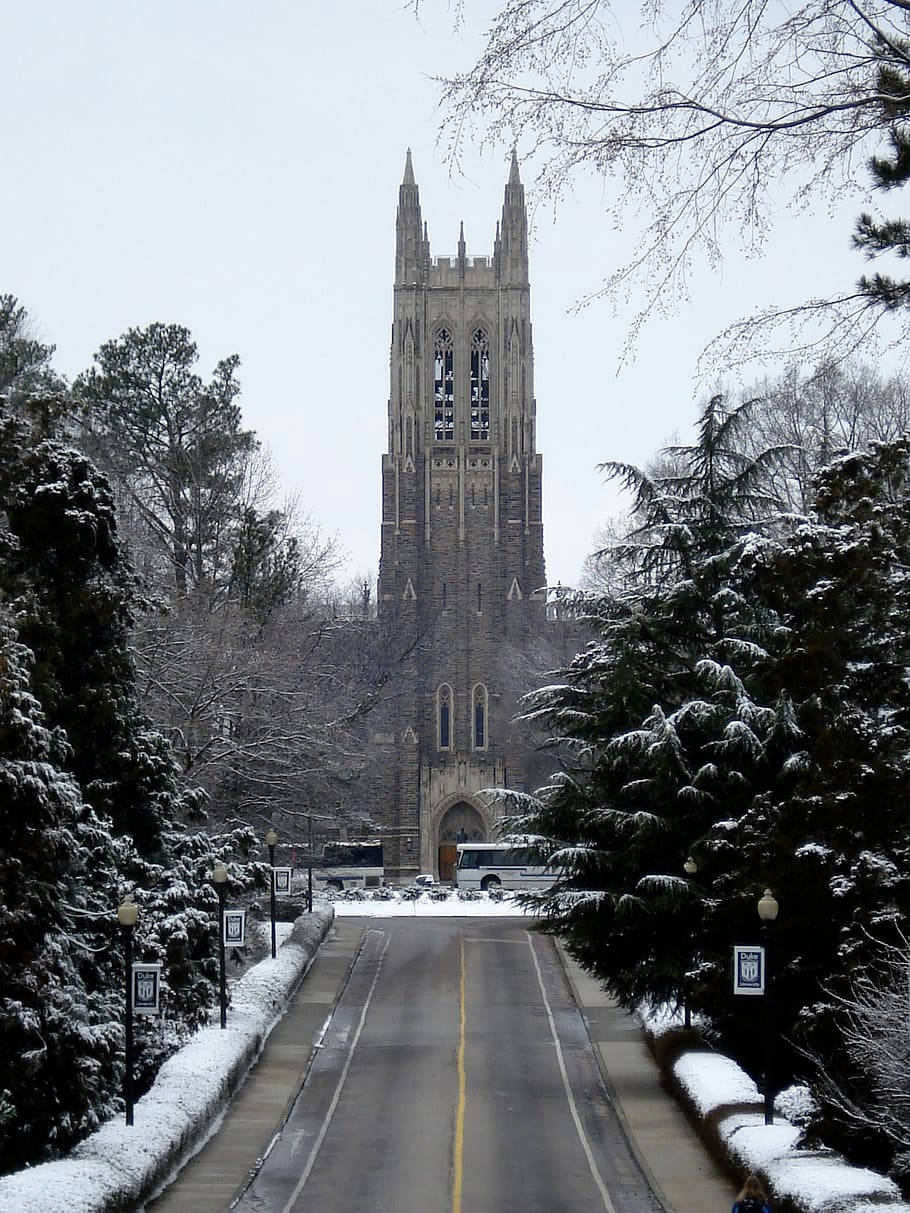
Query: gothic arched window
pixel 480 387
pixel 444 708
pixel 444 386
pixel 479 716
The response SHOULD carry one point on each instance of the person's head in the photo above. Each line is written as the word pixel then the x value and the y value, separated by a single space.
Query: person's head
pixel 752 1187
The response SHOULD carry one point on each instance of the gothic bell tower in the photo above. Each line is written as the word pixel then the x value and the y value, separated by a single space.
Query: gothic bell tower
pixel 461 579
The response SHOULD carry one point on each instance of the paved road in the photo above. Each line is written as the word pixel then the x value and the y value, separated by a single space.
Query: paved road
pixel 456 1076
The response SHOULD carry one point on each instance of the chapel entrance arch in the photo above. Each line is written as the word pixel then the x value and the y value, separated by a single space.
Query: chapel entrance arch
pixel 462 822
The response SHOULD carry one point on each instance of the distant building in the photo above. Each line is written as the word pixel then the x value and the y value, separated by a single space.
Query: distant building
pixel 461 580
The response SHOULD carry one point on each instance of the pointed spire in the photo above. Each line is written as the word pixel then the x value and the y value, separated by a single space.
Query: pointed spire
pixel 461 244
pixel 514 178
pixel 410 256
pixel 512 245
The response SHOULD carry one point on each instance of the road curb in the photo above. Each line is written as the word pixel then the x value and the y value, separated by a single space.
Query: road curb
pixel 305 1073
pixel 612 1093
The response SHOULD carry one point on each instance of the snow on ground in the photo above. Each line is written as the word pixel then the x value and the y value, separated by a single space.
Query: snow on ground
pixel 119 1167
pixel 441 903
pixel 703 1075
pixel 816 1180
pixel 264 932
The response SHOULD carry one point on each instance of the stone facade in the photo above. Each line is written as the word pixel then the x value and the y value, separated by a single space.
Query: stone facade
pixel 461 580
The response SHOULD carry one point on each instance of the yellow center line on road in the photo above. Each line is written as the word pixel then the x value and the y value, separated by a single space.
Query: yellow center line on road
pixel 458 1147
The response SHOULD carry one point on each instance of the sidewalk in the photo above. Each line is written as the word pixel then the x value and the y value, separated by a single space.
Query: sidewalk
pixel 681 1170
pixel 211 1180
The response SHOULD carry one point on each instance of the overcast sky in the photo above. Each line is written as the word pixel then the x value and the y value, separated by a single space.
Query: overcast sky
pixel 234 167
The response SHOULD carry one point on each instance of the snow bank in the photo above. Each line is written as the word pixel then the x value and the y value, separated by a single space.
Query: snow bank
pixel 118 1168
pixel 431 905
pixel 811 1180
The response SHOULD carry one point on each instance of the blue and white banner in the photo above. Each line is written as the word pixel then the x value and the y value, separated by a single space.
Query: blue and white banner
pixel 748 970
pixel 146 989
pixel 235 928
pixel 282 878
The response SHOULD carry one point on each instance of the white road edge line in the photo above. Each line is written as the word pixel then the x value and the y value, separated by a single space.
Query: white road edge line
pixel 579 1128
pixel 318 1043
pixel 324 1128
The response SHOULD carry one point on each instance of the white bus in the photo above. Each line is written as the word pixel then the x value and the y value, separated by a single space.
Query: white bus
pixel 499 865
pixel 350 865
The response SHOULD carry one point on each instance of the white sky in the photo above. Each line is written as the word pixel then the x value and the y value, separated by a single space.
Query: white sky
pixel 235 168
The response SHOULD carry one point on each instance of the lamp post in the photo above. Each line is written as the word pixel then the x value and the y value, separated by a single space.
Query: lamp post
pixel 219 880
pixel 128 916
pixel 690 867
pixel 271 841
pixel 767 912
pixel 309 863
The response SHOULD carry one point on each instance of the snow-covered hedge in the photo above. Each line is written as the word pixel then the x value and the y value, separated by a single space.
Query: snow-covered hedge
pixel 117 1168
pixel 729 1109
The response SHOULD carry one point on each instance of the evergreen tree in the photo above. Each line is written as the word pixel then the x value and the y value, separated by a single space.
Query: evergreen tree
pixel 877 236
pixel 25 362
pixel 70 587
pixel 175 446
pixel 653 727
pixel 29 386
pixel 776 751
pixel 91 806
pixel 266 571
pixel 60 1010
pixel 836 847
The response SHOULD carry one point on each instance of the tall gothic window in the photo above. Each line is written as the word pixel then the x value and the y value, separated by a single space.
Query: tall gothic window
pixel 444 717
pixel 480 387
pixel 479 717
pixel 444 386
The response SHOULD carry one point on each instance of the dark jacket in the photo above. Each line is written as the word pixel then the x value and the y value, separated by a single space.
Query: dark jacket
pixel 751 1205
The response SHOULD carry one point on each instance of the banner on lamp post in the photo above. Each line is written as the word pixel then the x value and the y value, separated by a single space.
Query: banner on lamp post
pixel 235 928
pixel 748 970
pixel 146 989
pixel 282 878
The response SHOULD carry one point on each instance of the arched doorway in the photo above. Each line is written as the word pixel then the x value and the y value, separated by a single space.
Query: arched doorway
pixel 460 823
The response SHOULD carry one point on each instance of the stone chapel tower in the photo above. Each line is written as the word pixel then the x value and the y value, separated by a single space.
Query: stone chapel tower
pixel 461 572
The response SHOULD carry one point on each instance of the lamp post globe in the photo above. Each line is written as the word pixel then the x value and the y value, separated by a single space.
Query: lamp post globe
pixel 690 867
pixel 128 912
pixel 128 916
pixel 767 908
